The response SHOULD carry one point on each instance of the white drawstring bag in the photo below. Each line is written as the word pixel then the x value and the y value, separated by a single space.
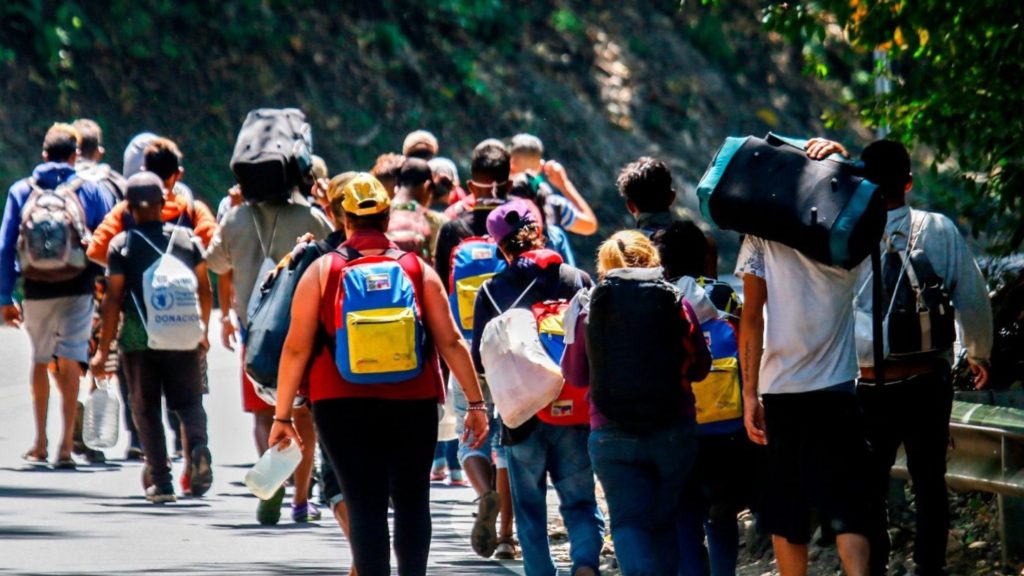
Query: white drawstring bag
pixel 521 375
pixel 170 293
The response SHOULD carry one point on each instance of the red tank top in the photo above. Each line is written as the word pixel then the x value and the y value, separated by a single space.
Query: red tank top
pixel 325 382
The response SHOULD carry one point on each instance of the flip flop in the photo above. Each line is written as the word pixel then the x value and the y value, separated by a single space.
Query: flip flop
pixel 65 464
pixel 31 458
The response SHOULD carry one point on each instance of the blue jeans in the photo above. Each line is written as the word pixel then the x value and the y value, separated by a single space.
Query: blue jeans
pixel 560 451
pixel 643 475
pixel 491 450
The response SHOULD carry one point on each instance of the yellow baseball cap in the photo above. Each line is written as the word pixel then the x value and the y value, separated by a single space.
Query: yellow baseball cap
pixel 365 196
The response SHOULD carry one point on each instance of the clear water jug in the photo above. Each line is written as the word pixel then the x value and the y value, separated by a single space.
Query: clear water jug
pixel 102 418
pixel 274 467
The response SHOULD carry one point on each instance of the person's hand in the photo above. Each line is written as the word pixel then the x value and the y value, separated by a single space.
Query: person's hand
pixel 235 193
pixel 12 315
pixel 555 173
pixel 282 434
pixel 204 344
pixel 476 425
pixel 98 364
pixel 307 237
pixel 228 335
pixel 753 419
pixel 980 371
pixel 820 148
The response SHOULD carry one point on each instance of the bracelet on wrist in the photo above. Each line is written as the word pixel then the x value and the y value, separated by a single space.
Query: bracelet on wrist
pixel 478 407
pixel 284 420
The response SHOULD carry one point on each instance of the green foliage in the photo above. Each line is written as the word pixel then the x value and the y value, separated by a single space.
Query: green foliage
pixel 565 21
pixel 956 73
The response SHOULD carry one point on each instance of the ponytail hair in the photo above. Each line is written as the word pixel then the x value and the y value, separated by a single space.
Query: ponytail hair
pixel 627 249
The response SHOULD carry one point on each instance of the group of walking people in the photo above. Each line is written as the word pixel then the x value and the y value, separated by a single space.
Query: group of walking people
pixel 687 403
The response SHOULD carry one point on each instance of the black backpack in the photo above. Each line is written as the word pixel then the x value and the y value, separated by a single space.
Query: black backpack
pixel 919 309
pixel 270 318
pixel 272 154
pixel 634 332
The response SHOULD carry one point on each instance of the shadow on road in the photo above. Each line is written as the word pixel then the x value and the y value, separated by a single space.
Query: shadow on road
pixel 30 533
pixel 30 492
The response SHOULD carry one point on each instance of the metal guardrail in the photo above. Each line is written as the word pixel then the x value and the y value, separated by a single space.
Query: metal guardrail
pixel 987 455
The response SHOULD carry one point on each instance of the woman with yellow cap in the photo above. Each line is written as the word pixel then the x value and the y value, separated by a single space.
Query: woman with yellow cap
pixel 376 384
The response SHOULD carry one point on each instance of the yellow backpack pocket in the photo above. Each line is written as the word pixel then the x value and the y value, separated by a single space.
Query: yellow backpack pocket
pixel 382 340
pixel 466 290
pixel 719 396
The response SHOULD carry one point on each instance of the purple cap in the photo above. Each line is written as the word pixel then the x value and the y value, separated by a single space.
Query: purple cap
pixel 508 218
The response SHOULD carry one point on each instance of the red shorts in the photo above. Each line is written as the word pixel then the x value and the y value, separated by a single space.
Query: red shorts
pixel 250 401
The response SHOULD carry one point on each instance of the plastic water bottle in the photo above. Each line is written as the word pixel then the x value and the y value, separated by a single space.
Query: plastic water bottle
pixel 276 465
pixel 102 418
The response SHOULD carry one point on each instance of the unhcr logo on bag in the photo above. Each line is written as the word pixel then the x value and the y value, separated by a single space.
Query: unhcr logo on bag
pixel 163 299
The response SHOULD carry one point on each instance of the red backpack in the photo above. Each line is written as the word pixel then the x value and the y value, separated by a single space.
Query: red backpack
pixel 571 408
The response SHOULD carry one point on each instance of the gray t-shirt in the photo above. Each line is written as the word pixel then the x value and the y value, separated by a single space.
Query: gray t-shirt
pixel 251 234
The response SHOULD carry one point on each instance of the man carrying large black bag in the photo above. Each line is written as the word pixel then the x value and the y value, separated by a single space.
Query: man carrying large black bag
pixel 930 282
pixel 797 349
pixel 271 156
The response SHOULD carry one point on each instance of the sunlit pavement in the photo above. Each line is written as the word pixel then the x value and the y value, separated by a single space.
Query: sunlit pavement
pixel 95 520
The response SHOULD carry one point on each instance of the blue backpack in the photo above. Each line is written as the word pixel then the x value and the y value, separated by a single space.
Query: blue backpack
pixel 719 396
pixel 379 333
pixel 474 261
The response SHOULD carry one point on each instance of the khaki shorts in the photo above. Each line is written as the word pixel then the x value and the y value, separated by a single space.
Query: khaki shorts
pixel 59 327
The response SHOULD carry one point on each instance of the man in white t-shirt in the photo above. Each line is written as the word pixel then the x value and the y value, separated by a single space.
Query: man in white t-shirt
pixel 799 365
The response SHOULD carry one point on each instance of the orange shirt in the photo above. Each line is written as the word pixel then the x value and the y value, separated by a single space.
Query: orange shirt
pixel 204 224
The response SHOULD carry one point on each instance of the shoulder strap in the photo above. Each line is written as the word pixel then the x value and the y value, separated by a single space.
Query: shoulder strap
pixel 148 241
pixel 514 304
pixel 876 316
pixel 265 248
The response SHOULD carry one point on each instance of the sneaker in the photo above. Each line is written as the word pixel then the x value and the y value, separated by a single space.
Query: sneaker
pixel 457 478
pixel 484 537
pixel 95 456
pixel 506 549
pixel 201 471
pixel 159 494
pixel 268 512
pixel 134 453
pixel 305 513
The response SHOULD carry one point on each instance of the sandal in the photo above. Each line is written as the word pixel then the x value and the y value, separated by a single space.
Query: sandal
pixel 32 457
pixel 65 463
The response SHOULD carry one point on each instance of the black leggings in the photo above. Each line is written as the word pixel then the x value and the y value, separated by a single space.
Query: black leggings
pixel 383 448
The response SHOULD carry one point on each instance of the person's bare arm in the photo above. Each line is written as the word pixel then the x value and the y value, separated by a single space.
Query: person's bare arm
pixel 205 300
pixel 751 340
pixel 298 348
pixel 437 316
pixel 226 294
pixel 110 311
pixel 586 222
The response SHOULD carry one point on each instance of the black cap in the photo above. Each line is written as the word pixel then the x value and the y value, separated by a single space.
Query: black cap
pixel 144 189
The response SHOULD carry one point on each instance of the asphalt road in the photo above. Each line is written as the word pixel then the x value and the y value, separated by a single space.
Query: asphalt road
pixel 94 520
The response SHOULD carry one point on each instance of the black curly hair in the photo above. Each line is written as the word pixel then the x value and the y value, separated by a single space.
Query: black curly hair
pixel 647 183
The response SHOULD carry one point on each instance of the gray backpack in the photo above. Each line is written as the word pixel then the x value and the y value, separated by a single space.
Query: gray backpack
pixel 53 234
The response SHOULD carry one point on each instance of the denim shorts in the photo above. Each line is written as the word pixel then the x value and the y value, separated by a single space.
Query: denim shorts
pixel 59 327
pixel 491 450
